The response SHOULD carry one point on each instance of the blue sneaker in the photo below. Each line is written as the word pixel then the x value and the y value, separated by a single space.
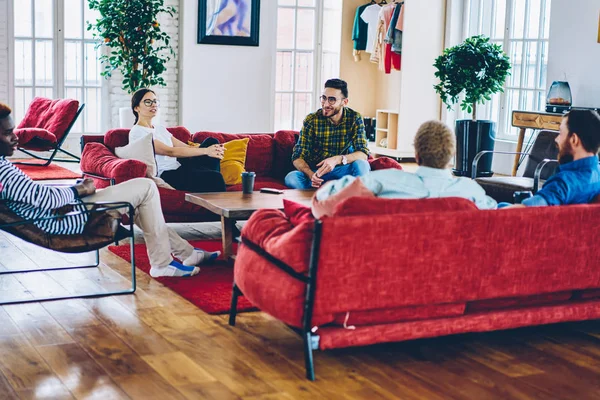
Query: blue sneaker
pixel 174 269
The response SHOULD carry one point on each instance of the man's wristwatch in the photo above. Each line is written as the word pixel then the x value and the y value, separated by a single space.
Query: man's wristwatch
pixel 344 160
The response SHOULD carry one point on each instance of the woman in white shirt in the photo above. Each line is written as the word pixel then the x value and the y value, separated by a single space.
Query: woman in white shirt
pixel 188 168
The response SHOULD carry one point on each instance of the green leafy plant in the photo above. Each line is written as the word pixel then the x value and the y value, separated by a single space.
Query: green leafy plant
pixel 476 67
pixel 137 45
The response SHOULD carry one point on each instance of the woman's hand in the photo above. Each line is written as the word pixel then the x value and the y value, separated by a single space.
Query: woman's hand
pixel 216 151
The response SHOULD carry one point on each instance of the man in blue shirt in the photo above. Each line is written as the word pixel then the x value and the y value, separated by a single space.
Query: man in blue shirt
pixel 577 179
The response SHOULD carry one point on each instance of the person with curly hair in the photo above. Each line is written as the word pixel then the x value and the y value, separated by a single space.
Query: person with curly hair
pixel 434 149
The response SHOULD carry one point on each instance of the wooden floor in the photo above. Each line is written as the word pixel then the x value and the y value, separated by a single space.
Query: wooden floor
pixel 155 345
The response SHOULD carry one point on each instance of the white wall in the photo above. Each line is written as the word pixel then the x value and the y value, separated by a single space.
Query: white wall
pixel 4 78
pixel 423 41
pixel 227 88
pixel 574 49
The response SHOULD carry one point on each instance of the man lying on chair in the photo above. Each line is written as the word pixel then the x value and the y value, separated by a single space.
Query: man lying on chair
pixel 29 199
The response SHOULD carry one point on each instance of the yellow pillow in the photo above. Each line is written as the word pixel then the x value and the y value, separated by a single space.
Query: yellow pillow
pixel 232 164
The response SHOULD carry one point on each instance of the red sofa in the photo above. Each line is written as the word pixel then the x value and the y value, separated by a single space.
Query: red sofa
pixel 269 155
pixel 384 270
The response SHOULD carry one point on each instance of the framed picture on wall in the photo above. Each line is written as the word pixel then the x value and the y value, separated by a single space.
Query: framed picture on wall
pixel 228 22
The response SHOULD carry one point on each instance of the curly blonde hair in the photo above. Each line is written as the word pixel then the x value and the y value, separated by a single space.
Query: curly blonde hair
pixel 4 110
pixel 434 144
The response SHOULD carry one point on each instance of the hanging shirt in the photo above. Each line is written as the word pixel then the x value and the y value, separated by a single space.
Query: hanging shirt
pixel 394 36
pixel 360 29
pixel 384 19
pixel 371 16
pixel 400 22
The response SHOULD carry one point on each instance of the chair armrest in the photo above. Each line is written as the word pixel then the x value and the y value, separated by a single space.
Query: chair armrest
pixel 99 162
pixel 484 152
pixel 111 181
pixel 85 139
pixel 538 173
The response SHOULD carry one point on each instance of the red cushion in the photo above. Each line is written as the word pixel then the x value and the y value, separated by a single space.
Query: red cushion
pixel 297 213
pixel 384 163
pixel 413 313
pixel 259 156
pixel 54 116
pixel 380 206
pixel 98 160
pixel 284 142
pixel 120 137
pixel 265 285
pixel 39 135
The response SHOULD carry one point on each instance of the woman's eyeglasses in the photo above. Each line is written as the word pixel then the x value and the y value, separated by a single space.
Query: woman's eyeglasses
pixel 150 103
pixel 331 100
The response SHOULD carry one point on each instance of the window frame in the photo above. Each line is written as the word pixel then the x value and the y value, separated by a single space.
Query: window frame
pixel 505 131
pixel 317 67
pixel 59 86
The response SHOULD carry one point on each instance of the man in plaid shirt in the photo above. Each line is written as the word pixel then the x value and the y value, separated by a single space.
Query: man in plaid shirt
pixel 332 142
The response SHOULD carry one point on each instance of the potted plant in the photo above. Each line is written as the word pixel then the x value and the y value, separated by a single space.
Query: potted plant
pixel 478 69
pixel 137 46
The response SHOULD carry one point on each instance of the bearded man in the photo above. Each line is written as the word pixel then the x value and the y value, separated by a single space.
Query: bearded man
pixel 577 178
pixel 332 142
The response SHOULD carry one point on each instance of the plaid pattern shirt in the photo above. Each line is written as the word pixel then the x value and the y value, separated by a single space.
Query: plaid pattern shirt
pixel 320 139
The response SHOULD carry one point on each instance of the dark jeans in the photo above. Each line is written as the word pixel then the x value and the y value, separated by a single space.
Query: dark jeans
pixel 197 174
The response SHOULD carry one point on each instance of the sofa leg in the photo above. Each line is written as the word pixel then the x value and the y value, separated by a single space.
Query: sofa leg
pixel 235 293
pixel 308 356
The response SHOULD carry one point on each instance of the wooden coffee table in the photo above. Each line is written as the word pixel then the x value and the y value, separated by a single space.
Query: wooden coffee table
pixel 233 206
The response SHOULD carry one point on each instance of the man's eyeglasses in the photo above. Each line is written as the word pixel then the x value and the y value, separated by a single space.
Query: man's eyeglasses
pixel 150 103
pixel 331 100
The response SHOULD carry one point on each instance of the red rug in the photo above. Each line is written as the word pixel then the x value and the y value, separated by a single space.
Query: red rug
pixel 51 171
pixel 210 290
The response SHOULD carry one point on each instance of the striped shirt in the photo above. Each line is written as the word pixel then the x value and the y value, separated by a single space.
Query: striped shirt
pixel 320 139
pixel 29 200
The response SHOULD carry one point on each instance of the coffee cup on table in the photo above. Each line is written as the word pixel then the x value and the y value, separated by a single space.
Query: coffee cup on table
pixel 248 182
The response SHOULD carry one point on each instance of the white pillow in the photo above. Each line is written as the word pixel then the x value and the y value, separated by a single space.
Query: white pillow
pixel 142 150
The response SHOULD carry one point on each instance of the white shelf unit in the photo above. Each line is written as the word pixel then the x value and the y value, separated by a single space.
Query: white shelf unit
pixel 386 128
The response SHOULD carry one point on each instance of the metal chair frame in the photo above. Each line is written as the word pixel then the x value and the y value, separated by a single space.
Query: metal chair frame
pixel 57 148
pixel 310 339
pixel 536 175
pixel 122 233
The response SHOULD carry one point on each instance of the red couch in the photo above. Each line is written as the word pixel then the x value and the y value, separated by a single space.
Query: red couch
pixel 269 155
pixel 384 270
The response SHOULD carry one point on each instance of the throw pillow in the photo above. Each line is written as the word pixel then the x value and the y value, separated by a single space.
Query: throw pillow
pixel 382 206
pixel 143 150
pixel 232 164
pixel 296 212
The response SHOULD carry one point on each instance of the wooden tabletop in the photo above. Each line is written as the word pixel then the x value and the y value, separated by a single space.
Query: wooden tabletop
pixel 240 206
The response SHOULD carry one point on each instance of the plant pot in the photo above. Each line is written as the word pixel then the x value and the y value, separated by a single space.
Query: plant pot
pixel 471 138
pixel 126 118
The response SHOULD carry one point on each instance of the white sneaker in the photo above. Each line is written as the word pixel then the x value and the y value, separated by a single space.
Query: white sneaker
pixel 174 269
pixel 200 256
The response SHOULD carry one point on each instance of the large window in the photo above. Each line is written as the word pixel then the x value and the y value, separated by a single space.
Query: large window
pixel 54 57
pixel 522 27
pixel 308 53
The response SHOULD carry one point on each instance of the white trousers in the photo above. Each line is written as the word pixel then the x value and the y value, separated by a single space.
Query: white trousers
pixel 161 241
